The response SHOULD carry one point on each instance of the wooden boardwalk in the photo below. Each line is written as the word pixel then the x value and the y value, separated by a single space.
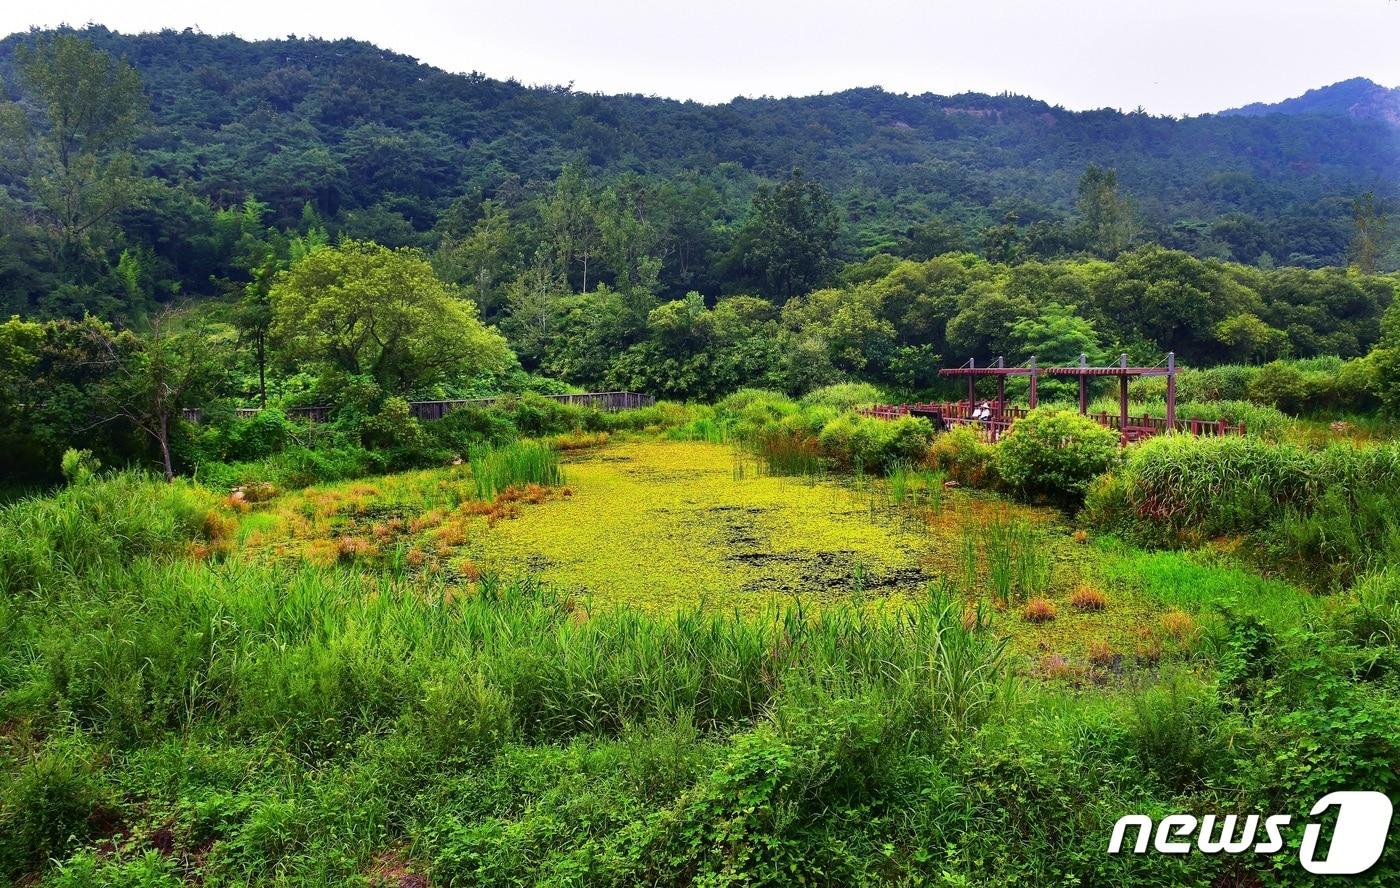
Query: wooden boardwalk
pixel 1138 427
pixel 605 401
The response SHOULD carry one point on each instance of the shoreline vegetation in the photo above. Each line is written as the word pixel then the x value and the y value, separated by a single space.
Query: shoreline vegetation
pixel 744 635
pixel 366 679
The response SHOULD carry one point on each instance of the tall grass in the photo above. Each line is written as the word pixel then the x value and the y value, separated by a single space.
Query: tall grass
pixel 1332 514
pixel 100 524
pixel 789 452
pixel 1006 556
pixel 514 465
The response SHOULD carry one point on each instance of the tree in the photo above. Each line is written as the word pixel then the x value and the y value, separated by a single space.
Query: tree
pixel 1369 239
pixel 789 236
pixel 484 259
pixel 982 329
pixel 1249 338
pixel 151 379
pixel 362 309
pixel 571 220
pixel 1057 335
pixel 1106 218
pixel 76 163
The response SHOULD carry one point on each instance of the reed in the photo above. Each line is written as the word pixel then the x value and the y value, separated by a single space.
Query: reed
pixel 518 464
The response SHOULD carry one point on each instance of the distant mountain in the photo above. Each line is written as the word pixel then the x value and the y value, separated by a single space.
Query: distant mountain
pixel 383 146
pixel 1357 98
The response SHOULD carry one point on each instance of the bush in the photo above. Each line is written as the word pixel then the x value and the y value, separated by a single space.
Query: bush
pixel 1055 454
pixel 48 806
pixel 964 457
pixel 875 445
pixel 466 426
pixel 79 466
pixel 536 416
pixel 1281 385
pixel 843 396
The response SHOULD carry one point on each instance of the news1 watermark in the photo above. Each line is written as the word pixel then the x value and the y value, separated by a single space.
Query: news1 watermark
pixel 1357 838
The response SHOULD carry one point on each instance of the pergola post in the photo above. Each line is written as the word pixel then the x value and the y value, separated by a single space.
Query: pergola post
pixel 1123 392
pixel 1083 385
pixel 971 386
pixel 1033 376
pixel 1171 391
pixel 1001 387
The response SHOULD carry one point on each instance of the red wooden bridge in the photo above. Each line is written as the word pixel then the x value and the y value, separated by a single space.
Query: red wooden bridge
pixel 998 416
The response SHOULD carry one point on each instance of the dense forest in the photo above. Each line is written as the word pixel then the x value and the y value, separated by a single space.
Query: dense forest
pixel 191 220
pixel 379 147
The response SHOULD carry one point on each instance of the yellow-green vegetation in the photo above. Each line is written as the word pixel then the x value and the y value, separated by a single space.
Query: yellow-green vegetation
pixel 664 526
pixel 185 682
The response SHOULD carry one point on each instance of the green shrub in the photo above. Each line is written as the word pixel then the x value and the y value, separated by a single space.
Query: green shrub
pixel 964 457
pixel 1211 486
pixel 465 426
pixel 844 396
pixel 49 805
pixel 875 445
pixel 1055 454
pixel 1179 731
pixel 537 416
pixel 79 466
pixel 1281 385
pixel 303 466
pixel 393 426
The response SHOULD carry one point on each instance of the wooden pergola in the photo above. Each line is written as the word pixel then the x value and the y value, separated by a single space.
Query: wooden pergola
pixel 1002 415
pixel 1000 371
pixel 1083 372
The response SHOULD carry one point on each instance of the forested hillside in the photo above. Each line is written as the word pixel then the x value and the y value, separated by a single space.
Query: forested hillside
pixel 374 145
pixel 1357 97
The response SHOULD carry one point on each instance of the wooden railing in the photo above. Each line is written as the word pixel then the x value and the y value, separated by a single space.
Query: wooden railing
pixel 605 401
pixel 1138 427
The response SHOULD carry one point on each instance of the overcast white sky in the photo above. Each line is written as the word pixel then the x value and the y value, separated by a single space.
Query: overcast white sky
pixel 1168 56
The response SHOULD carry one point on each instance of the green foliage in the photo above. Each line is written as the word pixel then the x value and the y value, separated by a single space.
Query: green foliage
pixel 1055 454
pixel 875 445
pixel 361 308
pixel 1328 515
pixel 844 396
pixel 961 453
pixel 1179 731
pixel 47 807
pixel 79 466
pixel 99 524
pixel 515 465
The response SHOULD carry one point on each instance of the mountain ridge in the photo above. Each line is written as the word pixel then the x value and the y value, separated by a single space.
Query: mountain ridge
pixel 1356 97
pixel 385 144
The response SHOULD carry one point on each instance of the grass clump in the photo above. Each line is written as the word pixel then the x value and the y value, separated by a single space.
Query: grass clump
pixel 1088 598
pixel 494 469
pixel 102 522
pixel 1038 610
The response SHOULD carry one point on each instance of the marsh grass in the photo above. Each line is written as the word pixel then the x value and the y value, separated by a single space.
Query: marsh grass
pixel 519 464
pixel 1005 555
pixel 789 452
pixel 281 723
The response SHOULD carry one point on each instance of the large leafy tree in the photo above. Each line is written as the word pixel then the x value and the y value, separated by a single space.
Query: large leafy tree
pixel 1106 217
pixel 74 154
pixel 789 236
pixel 361 309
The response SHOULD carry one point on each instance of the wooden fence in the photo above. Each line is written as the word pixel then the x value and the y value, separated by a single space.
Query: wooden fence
pixel 605 401
pixel 1138 427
